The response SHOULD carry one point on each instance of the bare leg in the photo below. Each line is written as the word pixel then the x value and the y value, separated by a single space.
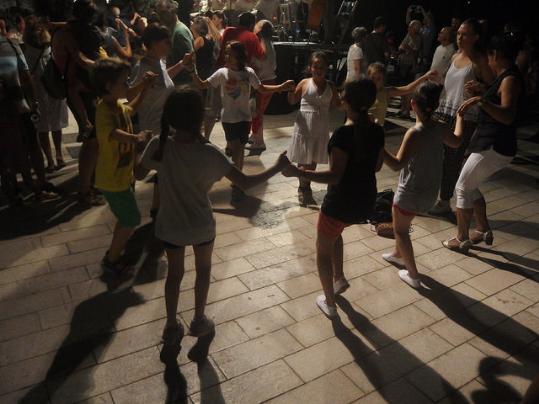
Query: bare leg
pixel 119 240
pixel 202 283
pixel 480 214
pixel 304 183
pixel 57 140
pixel 464 217
pixel 87 163
pixel 401 227
pixel 337 259
pixel 77 104
pixel 237 151
pixel 325 248
pixel 175 257
pixel 209 123
pixel 46 147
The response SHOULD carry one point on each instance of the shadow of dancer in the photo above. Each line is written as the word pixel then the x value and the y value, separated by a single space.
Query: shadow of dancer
pixel 386 365
pixel 173 377
pixel 92 326
pixel 524 266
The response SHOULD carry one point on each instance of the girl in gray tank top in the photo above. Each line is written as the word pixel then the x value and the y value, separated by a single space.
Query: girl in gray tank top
pixel 419 159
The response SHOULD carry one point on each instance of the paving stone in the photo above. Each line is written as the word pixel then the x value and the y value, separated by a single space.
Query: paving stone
pixel 377 243
pixel 244 249
pixel 493 281
pixel 30 304
pixel 231 268
pixel 89 243
pixel 361 266
pixel 473 392
pixel 301 285
pixel 309 366
pixel 258 232
pixel 226 239
pixel 528 288
pixel 101 399
pixel 358 289
pixel 74 235
pixel 288 238
pixel 388 300
pixel 334 387
pixel 355 249
pixel 265 321
pixel 507 302
pixel 439 258
pixel 77 260
pixel 302 307
pixel 38 395
pixel 255 353
pixel 400 391
pixel 260 385
pixel 242 305
pixel 87 289
pixel 23 272
pixel 473 266
pixel 19 326
pixel 450 371
pixel 449 275
pixel 51 281
pixel 17 257
pixel 279 255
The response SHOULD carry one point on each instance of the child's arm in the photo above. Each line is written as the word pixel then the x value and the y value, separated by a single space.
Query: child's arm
pixel 125 137
pixel 406 150
pixel 295 95
pixel 181 65
pixel 454 140
pixel 335 99
pixel 409 88
pixel 245 181
pixel 337 164
pixel 267 88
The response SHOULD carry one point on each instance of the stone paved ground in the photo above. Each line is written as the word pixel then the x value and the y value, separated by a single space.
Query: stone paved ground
pixel 470 335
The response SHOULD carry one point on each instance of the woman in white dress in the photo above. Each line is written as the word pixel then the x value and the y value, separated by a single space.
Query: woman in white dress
pixel 53 112
pixel 311 129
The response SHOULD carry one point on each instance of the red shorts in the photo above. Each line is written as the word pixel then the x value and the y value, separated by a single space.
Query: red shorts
pixel 329 226
pixel 404 212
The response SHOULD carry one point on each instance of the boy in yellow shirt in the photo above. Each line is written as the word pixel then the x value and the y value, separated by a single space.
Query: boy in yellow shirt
pixel 118 149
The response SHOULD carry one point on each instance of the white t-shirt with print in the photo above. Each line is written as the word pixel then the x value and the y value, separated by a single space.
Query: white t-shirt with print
pixel 186 172
pixel 235 92
pixel 151 107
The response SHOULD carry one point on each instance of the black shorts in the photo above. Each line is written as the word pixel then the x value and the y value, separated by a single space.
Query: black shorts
pixel 170 246
pixel 237 131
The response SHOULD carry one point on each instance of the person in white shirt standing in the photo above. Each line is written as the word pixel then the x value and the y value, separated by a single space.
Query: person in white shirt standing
pixel 355 61
pixel 443 54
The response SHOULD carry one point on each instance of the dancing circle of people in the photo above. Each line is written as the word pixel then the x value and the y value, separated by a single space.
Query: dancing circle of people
pixel 465 103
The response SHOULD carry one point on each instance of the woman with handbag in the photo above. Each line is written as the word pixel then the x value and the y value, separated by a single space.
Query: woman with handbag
pixel 53 111
pixel 420 161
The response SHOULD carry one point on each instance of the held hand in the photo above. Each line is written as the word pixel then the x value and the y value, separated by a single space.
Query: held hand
pixel 282 161
pixel 290 171
pixel 188 61
pixel 144 136
pixel 474 87
pixel 431 75
pixel 467 104
pixel 289 85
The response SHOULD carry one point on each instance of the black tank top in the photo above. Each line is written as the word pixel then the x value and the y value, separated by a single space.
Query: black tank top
pixel 491 133
pixel 205 59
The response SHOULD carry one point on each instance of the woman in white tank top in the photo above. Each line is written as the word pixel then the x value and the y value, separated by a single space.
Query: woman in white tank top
pixel 469 65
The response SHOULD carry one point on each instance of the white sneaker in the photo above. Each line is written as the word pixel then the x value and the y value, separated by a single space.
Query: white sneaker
pixel 340 285
pixel 329 311
pixel 405 276
pixel 397 261
pixel 441 208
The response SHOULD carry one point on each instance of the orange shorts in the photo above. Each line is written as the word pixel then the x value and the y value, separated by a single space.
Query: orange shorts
pixel 329 226
pixel 404 212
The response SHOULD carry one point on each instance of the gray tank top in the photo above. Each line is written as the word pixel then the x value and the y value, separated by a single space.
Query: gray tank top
pixel 419 181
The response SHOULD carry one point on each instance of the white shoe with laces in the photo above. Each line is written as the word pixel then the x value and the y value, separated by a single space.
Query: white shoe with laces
pixel 329 311
pixel 393 260
pixel 405 276
pixel 340 285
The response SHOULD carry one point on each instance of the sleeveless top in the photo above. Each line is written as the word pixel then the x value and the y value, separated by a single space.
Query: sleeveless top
pixel 311 101
pixel 490 132
pixel 453 93
pixel 205 59
pixel 419 181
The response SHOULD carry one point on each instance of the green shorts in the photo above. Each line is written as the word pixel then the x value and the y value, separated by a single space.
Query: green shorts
pixel 124 206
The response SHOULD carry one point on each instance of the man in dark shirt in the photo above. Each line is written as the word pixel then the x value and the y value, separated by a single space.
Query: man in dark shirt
pixel 244 34
pixel 375 43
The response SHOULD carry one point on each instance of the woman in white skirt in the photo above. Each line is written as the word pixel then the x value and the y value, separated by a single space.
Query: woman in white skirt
pixel 311 129
pixel 53 112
